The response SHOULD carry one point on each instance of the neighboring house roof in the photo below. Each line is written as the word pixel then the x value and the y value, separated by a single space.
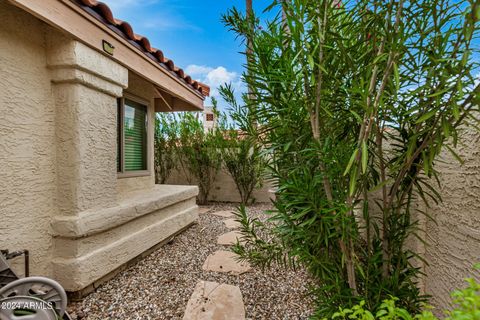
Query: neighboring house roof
pixel 102 12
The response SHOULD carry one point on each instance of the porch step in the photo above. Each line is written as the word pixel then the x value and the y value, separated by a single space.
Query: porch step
pixel 91 245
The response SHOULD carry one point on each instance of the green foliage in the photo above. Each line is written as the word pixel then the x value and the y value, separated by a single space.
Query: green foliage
pixel 242 154
pixel 199 153
pixel 166 139
pixel 182 143
pixel 266 251
pixel 466 307
pixel 243 160
pixel 353 102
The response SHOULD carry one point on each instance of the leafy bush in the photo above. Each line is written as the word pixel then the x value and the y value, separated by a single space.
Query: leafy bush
pixel 242 154
pixel 182 143
pixel 466 307
pixel 243 160
pixel 355 101
pixel 166 139
pixel 199 153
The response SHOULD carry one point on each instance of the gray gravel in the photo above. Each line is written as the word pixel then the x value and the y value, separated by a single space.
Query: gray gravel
pixel 159 286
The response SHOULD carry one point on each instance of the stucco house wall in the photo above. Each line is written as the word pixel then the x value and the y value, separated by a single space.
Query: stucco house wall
pixel 452 244
pixel 27 129
pixel 454 239
pixel 60 194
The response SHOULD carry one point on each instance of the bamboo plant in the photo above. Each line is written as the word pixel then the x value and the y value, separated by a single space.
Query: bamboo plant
pixel 355 102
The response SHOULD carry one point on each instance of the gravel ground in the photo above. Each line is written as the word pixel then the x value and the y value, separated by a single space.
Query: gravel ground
pixel 159 286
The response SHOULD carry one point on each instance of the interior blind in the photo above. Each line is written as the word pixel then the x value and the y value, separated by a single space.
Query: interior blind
pixel 135 136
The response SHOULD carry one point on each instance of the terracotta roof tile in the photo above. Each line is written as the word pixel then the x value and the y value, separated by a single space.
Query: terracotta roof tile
pixel 144 44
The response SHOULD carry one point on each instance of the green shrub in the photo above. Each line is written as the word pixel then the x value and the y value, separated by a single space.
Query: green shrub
pixel 242 154
pixel 355 101
pixel 243 160
pixel 466 306
pixel 182 143
pixel 166 139
pixel 199 153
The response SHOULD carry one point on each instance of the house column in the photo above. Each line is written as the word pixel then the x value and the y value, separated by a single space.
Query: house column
pixel 86 85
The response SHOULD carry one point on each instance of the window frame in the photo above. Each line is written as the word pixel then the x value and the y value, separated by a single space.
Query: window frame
pixel 121 134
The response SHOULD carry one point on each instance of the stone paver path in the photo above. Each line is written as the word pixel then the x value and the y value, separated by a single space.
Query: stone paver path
pixel 215 301
pixel 223 214
pixel 203 210
pixel 231 224
pixel 230 238
pixel 160 285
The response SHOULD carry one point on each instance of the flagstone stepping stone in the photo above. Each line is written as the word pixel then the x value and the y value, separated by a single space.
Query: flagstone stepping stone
pixel 223 214
pixel 203 210
pixel 232 224
pixel 225 261
pixel 215 301
pixel 230 238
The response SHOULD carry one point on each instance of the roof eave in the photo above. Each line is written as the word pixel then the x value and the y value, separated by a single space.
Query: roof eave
pixel 89 30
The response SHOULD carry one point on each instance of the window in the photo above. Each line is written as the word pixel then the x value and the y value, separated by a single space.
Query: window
pixel 132 154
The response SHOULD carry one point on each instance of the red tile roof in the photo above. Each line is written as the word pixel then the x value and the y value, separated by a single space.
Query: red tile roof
pixel 104 14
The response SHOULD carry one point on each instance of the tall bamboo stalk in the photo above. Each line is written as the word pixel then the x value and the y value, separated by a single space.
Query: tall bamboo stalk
pixel 249 9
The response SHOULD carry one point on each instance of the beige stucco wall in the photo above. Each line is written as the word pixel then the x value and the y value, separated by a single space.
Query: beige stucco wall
pixel 27 131
pixel 224 189
pixel 60 195
pixel 454 240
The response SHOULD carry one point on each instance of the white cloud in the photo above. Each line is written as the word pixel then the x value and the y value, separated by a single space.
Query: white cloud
pixel 219 76
pixel 215 77
pixel 195 70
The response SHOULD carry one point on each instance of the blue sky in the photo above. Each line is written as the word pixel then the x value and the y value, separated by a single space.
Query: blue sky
pixel 191 34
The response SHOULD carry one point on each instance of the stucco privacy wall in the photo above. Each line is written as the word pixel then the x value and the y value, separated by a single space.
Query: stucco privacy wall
pixel 224 189
pixel 27 134
pixel 454 240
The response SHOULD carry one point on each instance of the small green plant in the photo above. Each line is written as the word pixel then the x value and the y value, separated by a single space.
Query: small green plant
pixel 243 160
pixel 198 153
pixel 466 307
pixel 242 154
